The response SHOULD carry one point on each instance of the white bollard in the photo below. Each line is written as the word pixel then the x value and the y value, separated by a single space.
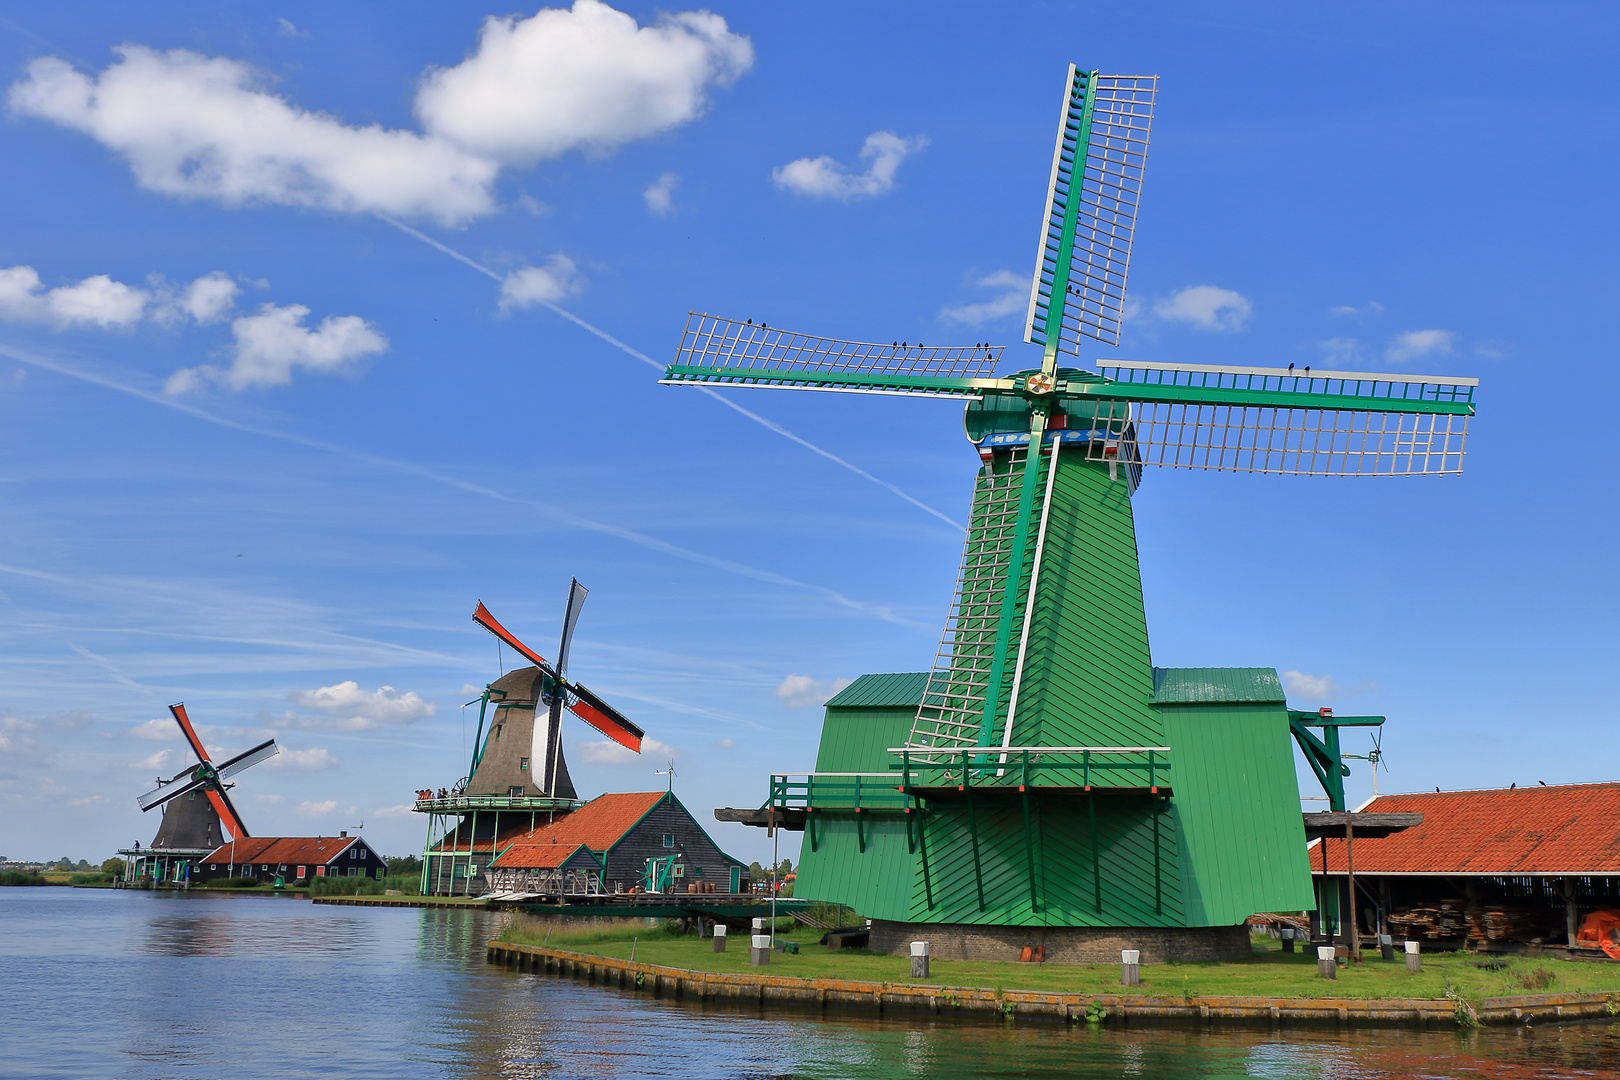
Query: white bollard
pixel 1287 936
pixel 1414 962
pixel 1327 962
pixel 1130 967
pixel 759 950
pixel 919 959
pixel 719 937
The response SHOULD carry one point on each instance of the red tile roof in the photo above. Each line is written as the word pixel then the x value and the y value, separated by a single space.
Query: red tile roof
pixel 458 838
pixel 1569 829
pixel 599 824
pixel 275 850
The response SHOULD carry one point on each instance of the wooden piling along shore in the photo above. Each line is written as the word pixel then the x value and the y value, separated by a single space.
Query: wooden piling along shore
pixel 400 901
pixel 703 986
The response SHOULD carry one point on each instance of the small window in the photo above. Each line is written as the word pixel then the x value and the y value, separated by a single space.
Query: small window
pixel 516 791
pixel 303 871
pixel 669 839
pixel 498 730
pixel 354 853
pixel 265 868
pixel 320 871
pixel 523 764
pixel 213 866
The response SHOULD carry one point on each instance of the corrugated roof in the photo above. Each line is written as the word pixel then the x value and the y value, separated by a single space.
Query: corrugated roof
pixel 1212 685
pixel 599 824
pixel 1569 829
pixel 876 691
pixel 275 850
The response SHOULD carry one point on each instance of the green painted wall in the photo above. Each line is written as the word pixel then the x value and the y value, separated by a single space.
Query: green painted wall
pixel 1237 799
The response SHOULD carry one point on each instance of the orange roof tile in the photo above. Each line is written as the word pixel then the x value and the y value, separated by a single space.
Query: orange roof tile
pixel 1568 829
pixel 275 850
pixel 599 824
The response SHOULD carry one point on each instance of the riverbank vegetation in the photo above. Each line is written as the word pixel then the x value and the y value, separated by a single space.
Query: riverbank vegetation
pixel 1268 972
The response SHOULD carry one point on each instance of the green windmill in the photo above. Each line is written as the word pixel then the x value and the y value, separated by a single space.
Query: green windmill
pixel 1045 785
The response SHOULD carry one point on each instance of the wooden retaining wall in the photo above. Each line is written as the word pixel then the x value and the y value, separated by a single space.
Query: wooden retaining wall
pixel 399 901
pixel 703 986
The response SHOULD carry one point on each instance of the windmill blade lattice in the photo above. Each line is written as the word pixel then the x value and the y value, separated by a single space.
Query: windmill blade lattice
pixel 1272 420
pixel 726 351
pixel 1085 248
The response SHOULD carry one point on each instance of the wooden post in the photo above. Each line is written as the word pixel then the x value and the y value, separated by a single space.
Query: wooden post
pixel 719 937
pixel 1130 967
pixel 1287 935
pixel 759 950
pixel 919 959
pixel 1386 946
pixel 1327 962
pixel 1572 916
pixel 1414 962
pixel 1350 874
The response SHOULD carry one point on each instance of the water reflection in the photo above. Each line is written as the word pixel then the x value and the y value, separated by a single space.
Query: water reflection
pixel 130 984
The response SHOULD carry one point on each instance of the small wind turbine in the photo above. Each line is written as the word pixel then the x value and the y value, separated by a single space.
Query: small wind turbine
pixel 1372 757
pixel 670 772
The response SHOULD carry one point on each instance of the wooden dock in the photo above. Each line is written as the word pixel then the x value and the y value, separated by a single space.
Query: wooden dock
pixel 1120 1009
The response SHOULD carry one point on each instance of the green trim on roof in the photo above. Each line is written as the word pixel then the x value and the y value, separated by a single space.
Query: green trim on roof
pixel 1206 686
pixel 877 691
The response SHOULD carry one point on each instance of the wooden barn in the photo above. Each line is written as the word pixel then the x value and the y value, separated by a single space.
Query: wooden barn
pixel 1501 870
pixel 605 845
pixel 292 858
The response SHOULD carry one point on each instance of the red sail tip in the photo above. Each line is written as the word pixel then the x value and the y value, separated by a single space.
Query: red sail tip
pixel 483 618
pixel 180 717
pixel 607 725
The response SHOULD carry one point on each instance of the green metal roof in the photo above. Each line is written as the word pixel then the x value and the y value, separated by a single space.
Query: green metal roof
pixel 1194 685
pixel 904 688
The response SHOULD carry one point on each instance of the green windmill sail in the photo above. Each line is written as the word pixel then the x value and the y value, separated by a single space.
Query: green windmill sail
pixel 1044 772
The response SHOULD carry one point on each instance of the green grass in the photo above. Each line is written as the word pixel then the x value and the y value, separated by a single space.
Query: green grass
pixel 1269 972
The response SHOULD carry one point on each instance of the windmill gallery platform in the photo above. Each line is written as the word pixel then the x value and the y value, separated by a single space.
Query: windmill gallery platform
pixel 1047 785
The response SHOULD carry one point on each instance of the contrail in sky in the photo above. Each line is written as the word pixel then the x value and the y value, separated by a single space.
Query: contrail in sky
pixel 423 472
pixel 644 358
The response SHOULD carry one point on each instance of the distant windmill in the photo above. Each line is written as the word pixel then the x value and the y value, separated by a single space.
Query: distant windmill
pixel 192 823
pixel 518 692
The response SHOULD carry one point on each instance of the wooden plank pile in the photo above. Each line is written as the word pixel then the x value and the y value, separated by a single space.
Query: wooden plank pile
pixel 1449 920
pixel 1503 923
pixel 1492 922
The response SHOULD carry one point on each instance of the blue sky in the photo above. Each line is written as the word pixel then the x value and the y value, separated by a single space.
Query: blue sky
pixel 262 437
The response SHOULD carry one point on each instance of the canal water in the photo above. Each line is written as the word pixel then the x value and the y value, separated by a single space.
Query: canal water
pixel 98 983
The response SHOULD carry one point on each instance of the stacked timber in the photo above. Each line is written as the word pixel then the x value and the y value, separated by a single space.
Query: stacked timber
pixel 1503 923
pixel 1449 920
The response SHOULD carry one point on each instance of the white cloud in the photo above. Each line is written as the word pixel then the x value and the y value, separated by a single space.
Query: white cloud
pixel 1490 350
pixel 531 285
pixel 608 752
pixel 1013 297
pixel 349 708
pixel 316 809
pixel 100 301
pixel 161 729
pixel 88 800
pixel 581 78
pixel 17 747
pixel 204 127
pixel 659 194
pixel 1340 351
pixel 314 759
pixel 271 343
pixel 1373 308
pixel 1208 307
pixel 287 29
pixel 798 691
pixel 1310 687
pixel 398 810
pixel 824 178
pixel 159 760
pixel 725 744
pixel 209 299
pixel 95 301
pixel 1416 343
pixel 469 690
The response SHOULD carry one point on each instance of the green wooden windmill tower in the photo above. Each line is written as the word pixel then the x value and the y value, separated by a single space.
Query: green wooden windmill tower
pixel 1045 785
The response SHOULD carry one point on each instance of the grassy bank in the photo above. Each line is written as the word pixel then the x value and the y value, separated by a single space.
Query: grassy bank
pixel 1268 972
